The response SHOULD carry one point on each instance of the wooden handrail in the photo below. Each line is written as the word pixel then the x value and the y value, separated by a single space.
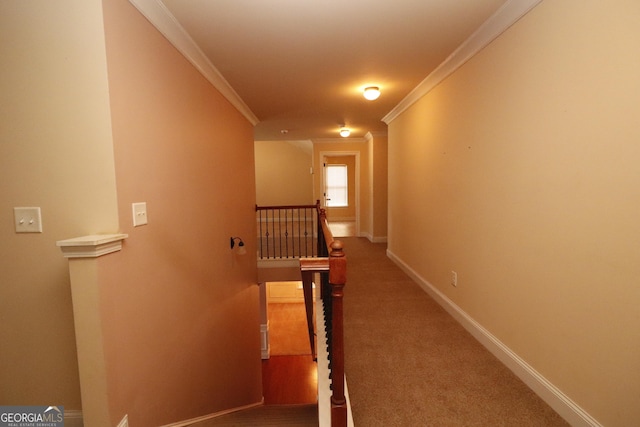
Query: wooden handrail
pixel 331 263
pixel 264 208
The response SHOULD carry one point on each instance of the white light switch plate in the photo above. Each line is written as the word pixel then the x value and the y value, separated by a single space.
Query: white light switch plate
pixel 139 213
pixel 28 220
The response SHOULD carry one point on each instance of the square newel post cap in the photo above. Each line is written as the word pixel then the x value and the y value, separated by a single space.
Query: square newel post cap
pixel 91 246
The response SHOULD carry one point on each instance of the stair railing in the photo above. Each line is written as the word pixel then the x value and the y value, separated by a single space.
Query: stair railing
pixel 331 264
pixel 302 232
pixel 287 231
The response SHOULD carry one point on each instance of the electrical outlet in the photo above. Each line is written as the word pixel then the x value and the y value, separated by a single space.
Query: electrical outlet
pixel 454 278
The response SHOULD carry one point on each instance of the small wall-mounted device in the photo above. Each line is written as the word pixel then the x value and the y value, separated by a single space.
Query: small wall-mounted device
pixel 28 220
pixel 139 213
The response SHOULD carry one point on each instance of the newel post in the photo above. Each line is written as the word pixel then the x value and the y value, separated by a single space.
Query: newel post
pixel 85 255
pixel 337 280
pixel 322 244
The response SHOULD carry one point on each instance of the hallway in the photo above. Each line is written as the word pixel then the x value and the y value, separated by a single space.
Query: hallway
pixel 409 363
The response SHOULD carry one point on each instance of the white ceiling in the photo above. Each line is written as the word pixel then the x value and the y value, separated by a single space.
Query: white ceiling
pixel 301 65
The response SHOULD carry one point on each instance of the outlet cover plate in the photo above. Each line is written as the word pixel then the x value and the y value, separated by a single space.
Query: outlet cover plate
pixel 139 214
pixel 28 220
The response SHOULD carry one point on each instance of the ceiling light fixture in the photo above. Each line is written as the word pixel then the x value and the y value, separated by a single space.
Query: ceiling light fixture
pixel 344 132
pixel 371 92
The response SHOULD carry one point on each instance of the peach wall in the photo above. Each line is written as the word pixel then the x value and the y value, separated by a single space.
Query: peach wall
pixel 520 172
pixel 283 174
pixel 180 309
pixel 55 153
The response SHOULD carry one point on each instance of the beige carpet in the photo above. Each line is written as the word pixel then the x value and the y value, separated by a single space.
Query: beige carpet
pixel 267 416
pixel 409 363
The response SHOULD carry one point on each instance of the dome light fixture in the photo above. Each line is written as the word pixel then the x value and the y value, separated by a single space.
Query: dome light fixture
pixel 344 132
pixel 371 92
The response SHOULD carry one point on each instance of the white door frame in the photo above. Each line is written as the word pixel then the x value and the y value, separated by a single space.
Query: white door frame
pixel 356 154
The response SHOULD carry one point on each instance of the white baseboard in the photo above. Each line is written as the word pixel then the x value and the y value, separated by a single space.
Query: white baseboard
pixel 372 239
pixel 264 340
pixel 73 418
pixel 561 403
pixel 214 415
pixel 340 218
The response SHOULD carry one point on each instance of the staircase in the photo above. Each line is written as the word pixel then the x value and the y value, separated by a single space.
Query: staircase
pixel 269 415
pixel 300 235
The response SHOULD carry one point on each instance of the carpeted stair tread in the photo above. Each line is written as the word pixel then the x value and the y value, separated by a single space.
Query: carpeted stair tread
pixel 267 415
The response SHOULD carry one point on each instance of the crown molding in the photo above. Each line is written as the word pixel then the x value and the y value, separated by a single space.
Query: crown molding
pixel 160 17
pixel 375 134
pixel 508 14
pixel 338 140
pixel 296 141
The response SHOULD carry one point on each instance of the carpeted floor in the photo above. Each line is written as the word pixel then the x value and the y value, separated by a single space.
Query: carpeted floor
pixel 409 363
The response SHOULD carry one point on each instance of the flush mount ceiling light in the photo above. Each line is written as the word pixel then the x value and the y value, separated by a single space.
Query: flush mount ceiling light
pixel 371 92
pixel 344 132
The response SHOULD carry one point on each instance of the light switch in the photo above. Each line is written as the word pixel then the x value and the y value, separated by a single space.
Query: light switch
pixel 28 220
pixel 139 214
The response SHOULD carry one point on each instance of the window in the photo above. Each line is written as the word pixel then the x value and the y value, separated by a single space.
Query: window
pixel 336 186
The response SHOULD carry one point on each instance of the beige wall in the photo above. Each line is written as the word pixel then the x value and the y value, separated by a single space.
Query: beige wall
pixel 378 170
pixel 283 173
pixel 55 153
pixel 180 309
pixel 520 172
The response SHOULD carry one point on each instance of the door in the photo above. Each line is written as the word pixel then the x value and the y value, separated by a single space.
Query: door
pixel 339 187
pixel 336 185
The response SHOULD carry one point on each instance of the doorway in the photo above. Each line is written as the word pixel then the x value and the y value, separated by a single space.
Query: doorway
pixel 289 374
pixel 346 210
